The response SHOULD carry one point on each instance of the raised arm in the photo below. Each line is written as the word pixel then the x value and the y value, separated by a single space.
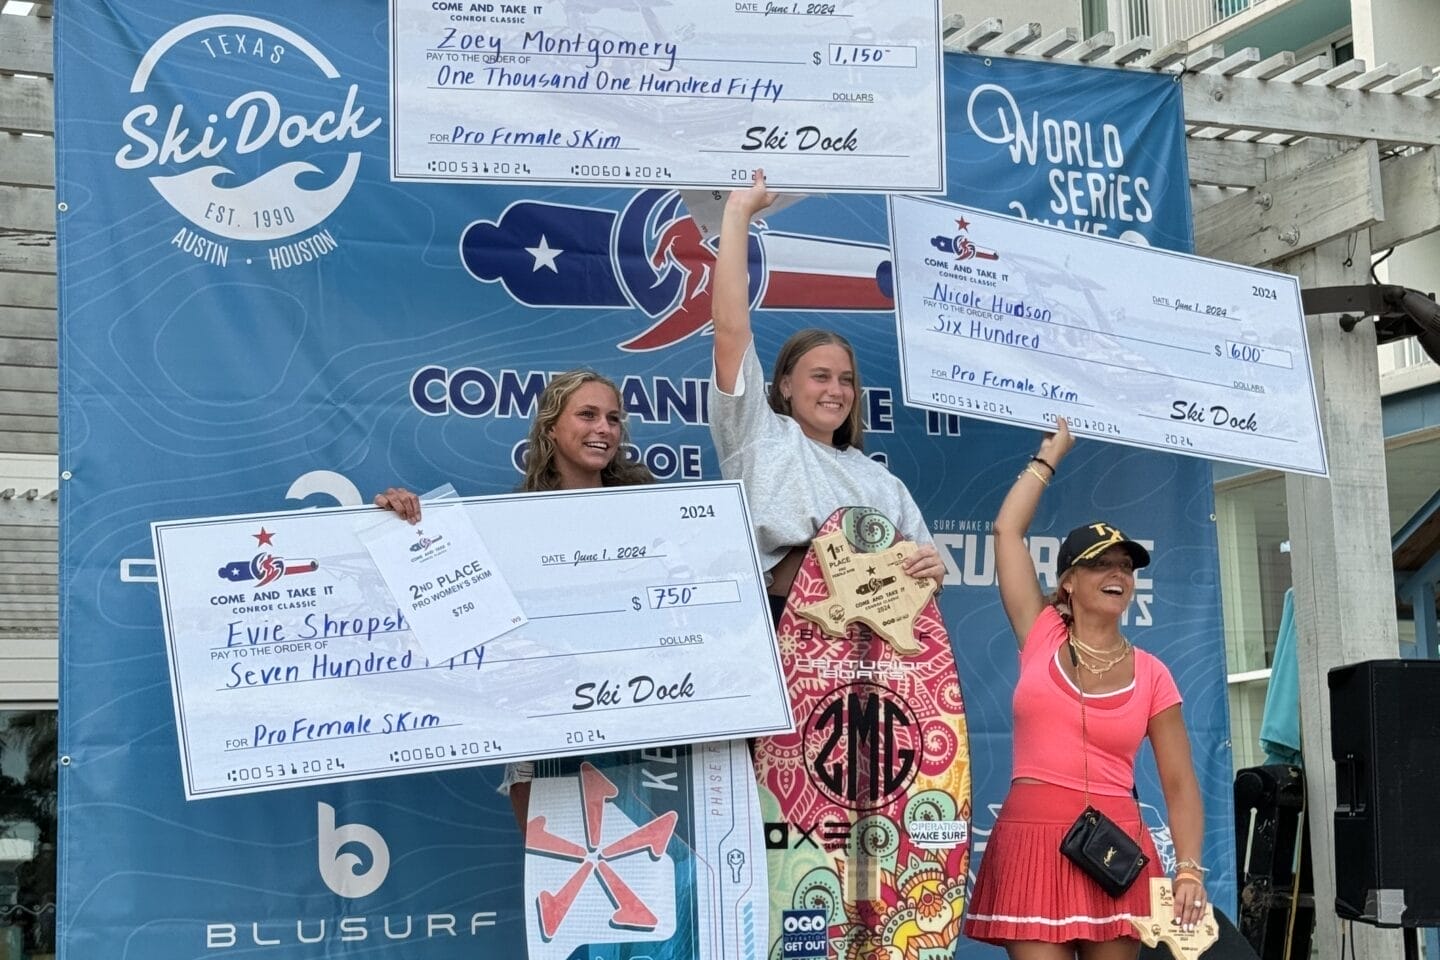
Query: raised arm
pixel 731 301
pixel 1014 570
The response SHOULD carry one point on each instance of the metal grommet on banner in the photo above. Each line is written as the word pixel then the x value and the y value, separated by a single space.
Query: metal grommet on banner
pixel 65 475
pixel 62 206
pixel 65 761
pixel 987 62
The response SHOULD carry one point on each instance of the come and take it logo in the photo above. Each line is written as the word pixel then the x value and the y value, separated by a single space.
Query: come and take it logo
pixel 961 246
pixel 342 870
pixel 637 893
pixel 265 568
pixel 251 174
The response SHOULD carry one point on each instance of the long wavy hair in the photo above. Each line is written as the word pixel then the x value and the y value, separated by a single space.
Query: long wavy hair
pixel 851 433
pixel 540 472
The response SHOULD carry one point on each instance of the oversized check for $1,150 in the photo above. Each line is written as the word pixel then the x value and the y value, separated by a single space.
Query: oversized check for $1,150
pixel 825 94
pixel 1012 321
pixel 291 665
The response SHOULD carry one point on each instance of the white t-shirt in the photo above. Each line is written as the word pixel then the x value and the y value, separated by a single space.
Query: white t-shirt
pixel 792 483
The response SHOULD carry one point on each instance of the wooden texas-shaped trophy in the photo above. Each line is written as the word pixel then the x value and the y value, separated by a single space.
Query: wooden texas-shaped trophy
pixel 1161 927
pixel 869 588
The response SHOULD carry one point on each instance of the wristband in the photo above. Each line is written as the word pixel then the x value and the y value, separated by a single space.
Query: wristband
pixel 1041 460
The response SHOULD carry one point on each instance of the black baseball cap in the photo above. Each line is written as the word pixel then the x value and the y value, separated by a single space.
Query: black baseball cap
pixel 1088 542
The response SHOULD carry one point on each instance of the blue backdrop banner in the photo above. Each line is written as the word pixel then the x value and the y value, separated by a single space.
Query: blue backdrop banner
pixel 254 318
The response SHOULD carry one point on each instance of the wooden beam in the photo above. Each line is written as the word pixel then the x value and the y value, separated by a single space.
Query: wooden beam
pixel 1271 67
pixel 1242 103
pixel 1340 555
pixel 25 404
pixel 1092 48
pixel 1338 74
pixel 26 322
pixel 25 47
pixel 27 647
pixel 1228 163
pixel 1371 79
pixel 27 161
pixel 1056 43
pixel 27 380
pixel 12 531
pixel 1408 81
pixel 1236 63
pixel 27 353
pixel 1166 56
pixel 27 208
pixel 1306 71
pixel 1411 187
pixel 978 35
pixel 12 442
pixel 1128 52
pixel 18 424
pixel 27 252
pixel 27 105
pixel 1289 214
pixel 1016 40
pixel 27 290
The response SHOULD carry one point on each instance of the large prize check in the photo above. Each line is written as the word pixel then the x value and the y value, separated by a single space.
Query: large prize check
pixel 291 664
pixel 1016 322
pixel 835 95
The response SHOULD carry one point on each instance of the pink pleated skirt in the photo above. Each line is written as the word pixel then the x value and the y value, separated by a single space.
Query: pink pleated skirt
pixel 1028 890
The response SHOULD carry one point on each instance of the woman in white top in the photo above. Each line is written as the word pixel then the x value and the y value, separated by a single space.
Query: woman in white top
pixel 799 450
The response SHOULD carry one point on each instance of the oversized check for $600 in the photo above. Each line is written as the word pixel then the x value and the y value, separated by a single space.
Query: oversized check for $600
pixel 1012 321
pixel 291 664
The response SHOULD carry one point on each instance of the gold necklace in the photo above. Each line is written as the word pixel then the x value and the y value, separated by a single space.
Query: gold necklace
pixel 1100 662
pixel 1098 652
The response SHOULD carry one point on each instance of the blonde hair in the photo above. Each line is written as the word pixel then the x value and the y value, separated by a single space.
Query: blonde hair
pixel 851 433
pixel 540 472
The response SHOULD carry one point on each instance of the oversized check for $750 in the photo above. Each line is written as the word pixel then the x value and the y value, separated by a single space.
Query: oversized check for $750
pixel 291 664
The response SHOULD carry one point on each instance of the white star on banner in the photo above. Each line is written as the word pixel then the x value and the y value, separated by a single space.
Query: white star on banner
pixel 544 255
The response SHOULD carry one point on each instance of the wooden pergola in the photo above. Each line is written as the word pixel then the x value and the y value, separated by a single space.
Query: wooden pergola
pixel 1304 167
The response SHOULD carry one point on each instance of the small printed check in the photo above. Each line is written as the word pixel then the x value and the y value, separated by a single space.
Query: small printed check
pixel 1007 320
pixel 291 664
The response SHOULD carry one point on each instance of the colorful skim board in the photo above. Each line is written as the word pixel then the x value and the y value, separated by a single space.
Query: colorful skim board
pixel 868 803
pixel 655 853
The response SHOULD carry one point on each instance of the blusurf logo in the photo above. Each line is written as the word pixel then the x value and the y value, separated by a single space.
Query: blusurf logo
pixel 348 874
pixel 254 177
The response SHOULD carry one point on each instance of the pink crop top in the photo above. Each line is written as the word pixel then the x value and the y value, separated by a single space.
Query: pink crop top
pixel 1048 744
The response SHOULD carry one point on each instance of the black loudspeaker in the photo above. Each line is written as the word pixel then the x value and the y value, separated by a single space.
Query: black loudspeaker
pixel 1385 740
pixel 1232 945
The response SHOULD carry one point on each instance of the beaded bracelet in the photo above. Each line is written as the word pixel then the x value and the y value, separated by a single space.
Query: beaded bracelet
pixel 1190 864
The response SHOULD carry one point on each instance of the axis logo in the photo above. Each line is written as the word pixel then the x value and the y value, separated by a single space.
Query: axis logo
pixel 225 157
pixel 636 894
pixel 342 870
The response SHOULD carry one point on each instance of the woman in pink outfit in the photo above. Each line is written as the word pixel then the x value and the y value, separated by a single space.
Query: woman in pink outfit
pixel 1085 700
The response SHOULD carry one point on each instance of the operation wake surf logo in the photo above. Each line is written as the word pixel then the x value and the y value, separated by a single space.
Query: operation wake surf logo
pixel 249 132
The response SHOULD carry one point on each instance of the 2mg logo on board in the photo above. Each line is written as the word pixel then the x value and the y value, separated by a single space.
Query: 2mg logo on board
pixel 251 134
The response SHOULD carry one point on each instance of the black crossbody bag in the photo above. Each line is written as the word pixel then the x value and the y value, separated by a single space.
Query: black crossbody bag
pixel 1095 843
